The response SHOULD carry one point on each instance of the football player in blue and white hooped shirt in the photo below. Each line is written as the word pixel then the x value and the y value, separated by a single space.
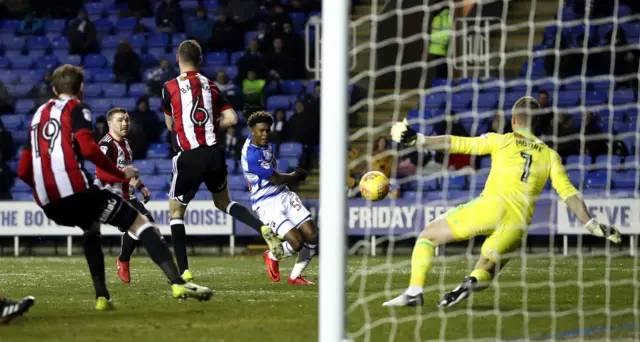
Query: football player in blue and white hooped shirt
pixel 277 206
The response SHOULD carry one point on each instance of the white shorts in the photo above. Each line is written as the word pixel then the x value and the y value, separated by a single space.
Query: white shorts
pixel 283 212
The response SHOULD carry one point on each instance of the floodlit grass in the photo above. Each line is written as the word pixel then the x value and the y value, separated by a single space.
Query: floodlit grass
pixel 247 306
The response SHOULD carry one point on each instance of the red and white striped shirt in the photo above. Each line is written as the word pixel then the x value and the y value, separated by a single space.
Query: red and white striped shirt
pixel 58 169
pixel 195 103
pixel 119 152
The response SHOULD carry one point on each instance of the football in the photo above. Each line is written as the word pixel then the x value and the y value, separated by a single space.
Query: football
pixel 374 186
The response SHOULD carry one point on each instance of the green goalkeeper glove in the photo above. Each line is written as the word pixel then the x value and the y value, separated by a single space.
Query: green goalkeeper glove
pixel 602 230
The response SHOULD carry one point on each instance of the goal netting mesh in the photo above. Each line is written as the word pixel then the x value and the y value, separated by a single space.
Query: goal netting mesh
pixel 561 284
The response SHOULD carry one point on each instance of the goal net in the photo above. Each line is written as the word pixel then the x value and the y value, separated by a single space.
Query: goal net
pixel 458 67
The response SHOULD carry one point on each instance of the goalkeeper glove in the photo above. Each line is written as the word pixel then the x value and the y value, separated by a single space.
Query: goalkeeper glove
pixel 402 133
pixel 602 230
pixel 302 174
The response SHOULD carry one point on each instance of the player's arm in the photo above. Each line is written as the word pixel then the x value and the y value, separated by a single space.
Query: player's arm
pixel 107 149
pixel 402 133
pixel 81 127
pixel 228 116
pixel 136 182
pixel 263 169
pixel 569 194
pixel 288 178
pixel 166 108
pixel 25 168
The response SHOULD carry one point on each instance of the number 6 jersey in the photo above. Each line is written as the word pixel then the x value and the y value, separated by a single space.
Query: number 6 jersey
pixel 58 169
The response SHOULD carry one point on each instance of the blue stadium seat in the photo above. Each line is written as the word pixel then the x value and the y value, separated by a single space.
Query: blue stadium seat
pixel 602 85
pixel 298 19
pixel 594 98
pixel 10 26
pixel 100 106
pixel 158 40
pixel 231 166
pixel 96 8
pixel 155 103
pixel 568 99
pixel 46 62
pixel 20 186
pixel 625 179
pixel 22 196
pixel 128 103
pixel 293 161
pixel 217 58
pixel 5 63
pixel 624 96
pixel 156 183
pixel 237 182
pixel 137 89
pixel 158 150
pixel 145 167
pixel 65 58
pixel 235 56
pixel 94 61
pixel 454 182
pixel 511 98
pixel 164 166
pixel 517 85
pixel 92 90
pixel 23 106
pixel 177 38
pixel 126 24
pixel 103 25
pixel 137 41
pixel 435 100
pixel 441 82
pixel 460 101
pixel 12 122
pixel 159 196
pixel 38 43
pixel 203 195
pixel 110 42
pixel 114 89
pixel 574 84
pixel 103 76
pixel 55 25
pixel 283 165
pixel 575 162
pixel 485 163
pixel 20 90
pixel 487 100
pixel 596 180
pixel 14 43
pixel 24 62
pixel 60 43
pixel 278 101
pixel 412 195
pixel 20 137
pixel 605 162
pixel 290 149
pixel 292 87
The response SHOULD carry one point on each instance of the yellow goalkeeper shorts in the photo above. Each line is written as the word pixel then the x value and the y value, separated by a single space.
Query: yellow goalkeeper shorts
pixel 488 216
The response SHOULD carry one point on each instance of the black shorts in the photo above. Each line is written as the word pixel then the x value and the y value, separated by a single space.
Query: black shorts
pixel 191 168
pixel 95 204
pixel 139 206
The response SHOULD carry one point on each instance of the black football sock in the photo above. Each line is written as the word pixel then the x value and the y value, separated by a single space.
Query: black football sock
pixel 159 253
pixel 179 239
pixel 95 260
pixel 245 216
pixel 129 244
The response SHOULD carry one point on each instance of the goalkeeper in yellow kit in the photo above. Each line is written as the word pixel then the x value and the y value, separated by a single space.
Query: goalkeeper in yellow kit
pixel 521 164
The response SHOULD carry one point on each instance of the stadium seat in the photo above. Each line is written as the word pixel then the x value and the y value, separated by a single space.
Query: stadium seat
pixel 20 90
pixel 293 161
pixel 290 149
pixel 177 38
pixel 95 8
pixel 155 103
pixel 23 106
pixel 487 100
pixel 576 162
pixel 94 61
pixel 231 166
pixel 65 58
pixel 602 85
pixel 126 24
pixel 110 42
pixel 231 71
pixel 608 162
pixel 46 62
pixel 24 62
pixel 158 41
pixel 145 167
pixel 567 99
pixel 38 43
pixel 511 98
pixel 485 163
pixel 20 186
pixel 203 195
pixel 137 89
pixel 90 167
pixel 10 26
pixel 55 25
pixel 292 87
pixel 283 165
pixel 435 100
pixel 100 106
pixel 460 101
pixel 235 56
pixel 237 182
pixel 621 97
pixel 594 97
pixel 217 58
pixel 22 196
pixel 12 122
pixel 103 75
pixel 156 183
pixel 92 90
pixel 596 180
pixel 114 90
pixel 14 43
pixel 164 166
pixel 625 179
pixel 158 151
pixel 278 101
pixel 103 26
pixel 454 182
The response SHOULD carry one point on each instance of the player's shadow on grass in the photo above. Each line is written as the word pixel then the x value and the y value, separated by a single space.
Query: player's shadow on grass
pixel 489 307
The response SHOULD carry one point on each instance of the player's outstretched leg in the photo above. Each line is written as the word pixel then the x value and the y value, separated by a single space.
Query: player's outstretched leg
pixel 95 261
pixel 435 233
pixel 479 279
pixel 223 202
pixel 128 245
pixel 306 254
pixel 10 309
pixel 179 237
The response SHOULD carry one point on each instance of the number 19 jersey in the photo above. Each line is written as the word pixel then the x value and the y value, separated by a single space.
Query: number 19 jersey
pixel 521 164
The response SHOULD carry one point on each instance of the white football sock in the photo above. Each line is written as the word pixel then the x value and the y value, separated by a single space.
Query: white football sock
pixel 304 258
pixel 414 290
pixel 288 251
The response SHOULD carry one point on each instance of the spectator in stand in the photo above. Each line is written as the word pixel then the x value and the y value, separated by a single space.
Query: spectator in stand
pixel 253 59
pixel 560 129
pixel 147 119
pixel 265 37
pixel 595 144
pixel 281 65
pixel 169 17
pixel 224 35
pixel 544 119
pixel 293 45
pixel 500 124
pixel 126 64
pixel 138 136
pixel 232 147
pixel 141 8
pixel 44 91
pixel 200 28
pixel 305 129
pixel 83 39
pixel 253 89
pixel 101 128
pixel 7 178
pixel 229 88
pixel 140 27
pixel 277 17
pixel 280 127
pixel 7 147
pixel 244 13
pixel 31 25
pixel 159 75
pixel 6 101
pixel 312 100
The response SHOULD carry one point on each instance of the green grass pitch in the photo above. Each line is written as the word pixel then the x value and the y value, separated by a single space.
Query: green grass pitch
pixel 247 306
